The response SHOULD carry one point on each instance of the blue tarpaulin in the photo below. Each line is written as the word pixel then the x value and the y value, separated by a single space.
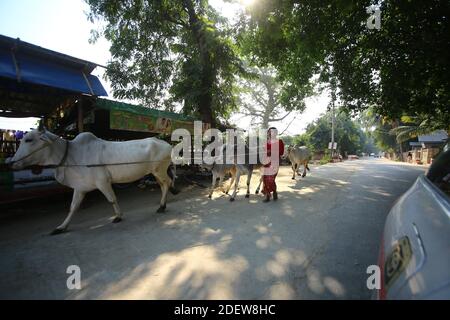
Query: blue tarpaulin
pixel 28 63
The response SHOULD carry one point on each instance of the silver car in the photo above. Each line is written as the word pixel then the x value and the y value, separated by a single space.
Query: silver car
pixel 414 255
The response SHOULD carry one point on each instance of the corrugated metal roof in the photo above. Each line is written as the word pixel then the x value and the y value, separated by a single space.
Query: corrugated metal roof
pixel 22 62
pixel 438 136
pixel 26 47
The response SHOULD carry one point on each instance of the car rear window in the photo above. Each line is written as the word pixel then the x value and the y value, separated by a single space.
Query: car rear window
pixel 439 172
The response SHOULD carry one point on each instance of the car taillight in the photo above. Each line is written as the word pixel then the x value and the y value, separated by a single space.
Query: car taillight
pixel 382 291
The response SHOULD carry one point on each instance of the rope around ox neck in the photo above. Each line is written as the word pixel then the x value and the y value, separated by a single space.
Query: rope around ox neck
pixel 63 159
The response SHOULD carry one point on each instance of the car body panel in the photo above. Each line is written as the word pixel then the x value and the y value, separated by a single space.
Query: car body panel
pixel 423 215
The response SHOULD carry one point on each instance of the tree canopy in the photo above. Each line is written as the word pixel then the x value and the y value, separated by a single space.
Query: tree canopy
pixel 172 51
pixel 183 52
pixel 262 97
pixel 401 68
pixel 349 136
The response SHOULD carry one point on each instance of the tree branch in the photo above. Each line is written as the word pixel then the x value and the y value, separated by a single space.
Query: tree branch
pixel 280 119
pixel 259 99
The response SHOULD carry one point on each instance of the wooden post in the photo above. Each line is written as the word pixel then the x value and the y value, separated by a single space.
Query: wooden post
pixel 80 124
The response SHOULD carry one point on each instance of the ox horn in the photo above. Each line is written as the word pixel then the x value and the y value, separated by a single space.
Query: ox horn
pixel 41 126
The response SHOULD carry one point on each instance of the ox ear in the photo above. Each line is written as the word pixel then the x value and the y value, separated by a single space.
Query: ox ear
pixel 44 136
pixel 41 126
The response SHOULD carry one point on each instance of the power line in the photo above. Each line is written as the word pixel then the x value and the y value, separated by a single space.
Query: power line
pixel 288 126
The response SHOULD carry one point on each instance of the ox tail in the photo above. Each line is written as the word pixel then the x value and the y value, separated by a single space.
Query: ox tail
pixel 172 173
pixel 307 167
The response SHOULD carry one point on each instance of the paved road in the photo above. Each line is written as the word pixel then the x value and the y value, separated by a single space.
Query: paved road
pixel 315 242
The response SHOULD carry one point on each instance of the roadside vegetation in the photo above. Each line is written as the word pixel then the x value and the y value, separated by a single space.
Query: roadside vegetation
pixel 388 85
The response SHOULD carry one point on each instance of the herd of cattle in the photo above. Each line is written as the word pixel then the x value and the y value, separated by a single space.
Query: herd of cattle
pixel 87 163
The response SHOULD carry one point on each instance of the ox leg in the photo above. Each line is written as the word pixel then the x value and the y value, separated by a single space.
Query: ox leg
pixel 236 185
pixel 77 198
pixel 305 165
pixel 294 168
pixel 172 173
pixel 164 181
pixel 109 194
pixel 249 178
pixel 259 185
pixel 233 179
pixel 213 184
pixel 222 187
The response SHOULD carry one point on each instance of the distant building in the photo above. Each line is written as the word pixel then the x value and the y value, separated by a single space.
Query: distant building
pixel 427 147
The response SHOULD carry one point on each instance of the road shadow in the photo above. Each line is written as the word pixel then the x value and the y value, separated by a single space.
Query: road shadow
pixel 307 245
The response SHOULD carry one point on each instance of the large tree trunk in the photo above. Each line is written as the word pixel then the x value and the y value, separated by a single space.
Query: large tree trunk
pixel 400 147
pixel 205 109
pixel 265 119
pixel 270 107
pixel 205 98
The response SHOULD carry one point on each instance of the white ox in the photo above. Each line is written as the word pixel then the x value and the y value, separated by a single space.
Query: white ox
pixel 298 156
pixel 87 163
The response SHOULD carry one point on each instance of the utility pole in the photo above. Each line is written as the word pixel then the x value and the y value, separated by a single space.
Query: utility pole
pixel 332 129
pixel 333 99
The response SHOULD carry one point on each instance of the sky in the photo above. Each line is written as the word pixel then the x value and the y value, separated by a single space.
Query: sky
pixel 62 25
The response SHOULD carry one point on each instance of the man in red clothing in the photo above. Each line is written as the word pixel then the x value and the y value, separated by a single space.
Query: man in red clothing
pixel 275 149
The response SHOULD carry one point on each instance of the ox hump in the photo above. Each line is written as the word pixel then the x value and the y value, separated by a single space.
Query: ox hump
pixel 85 137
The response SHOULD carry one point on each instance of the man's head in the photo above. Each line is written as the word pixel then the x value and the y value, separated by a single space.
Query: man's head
pixel 272 133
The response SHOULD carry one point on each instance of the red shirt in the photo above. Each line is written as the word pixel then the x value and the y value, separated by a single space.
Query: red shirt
pixel 276 145
pixel 280 147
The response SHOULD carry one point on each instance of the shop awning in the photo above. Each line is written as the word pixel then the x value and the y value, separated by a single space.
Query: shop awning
pixel 129 117
pixel 22 62
pixel 112 105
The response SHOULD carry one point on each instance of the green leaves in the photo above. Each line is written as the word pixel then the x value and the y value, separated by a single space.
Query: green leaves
pixel 182 52
pixel 413 126
pixel 350 138
pixel 170 52
pixel 401 68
